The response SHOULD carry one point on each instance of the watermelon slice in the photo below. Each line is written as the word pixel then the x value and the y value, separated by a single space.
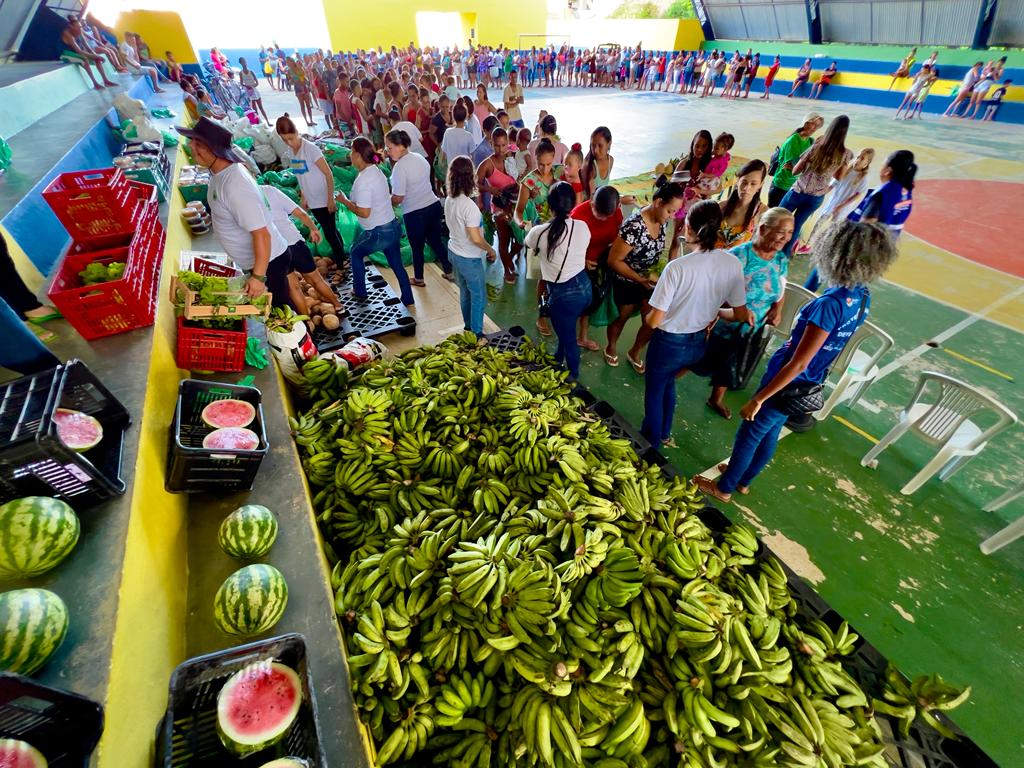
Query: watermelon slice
pixel 20 754
pixel 257 706
pixel 232 439
pixel 78 431
pixel 286 762
pixel 228 413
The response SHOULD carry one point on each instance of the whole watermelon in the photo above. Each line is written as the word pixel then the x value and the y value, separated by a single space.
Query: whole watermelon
pixel 248 532
pixel 33 623
pixel 36 534
pixel 251 600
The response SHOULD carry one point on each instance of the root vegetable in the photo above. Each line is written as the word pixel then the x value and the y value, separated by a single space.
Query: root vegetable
pixel 331 322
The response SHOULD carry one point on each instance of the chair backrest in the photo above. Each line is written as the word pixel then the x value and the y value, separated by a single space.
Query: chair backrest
pixel 796 297
pixel 957 401
pixel 869 334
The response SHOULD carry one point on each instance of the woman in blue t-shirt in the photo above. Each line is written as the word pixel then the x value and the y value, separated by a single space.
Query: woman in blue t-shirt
pixel 849 255
pixel 889 204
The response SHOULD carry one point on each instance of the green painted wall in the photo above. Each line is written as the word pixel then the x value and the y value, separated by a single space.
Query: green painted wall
pixel 955 56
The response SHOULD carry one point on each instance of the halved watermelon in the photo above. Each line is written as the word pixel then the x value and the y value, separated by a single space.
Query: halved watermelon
pixel 228 413
pixel 257 706
pixel 78 431
pixel 232 439
pixel 20 754
pixel 286 762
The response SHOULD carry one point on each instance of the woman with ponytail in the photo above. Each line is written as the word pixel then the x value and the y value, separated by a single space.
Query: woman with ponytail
pixel 561 247
pixel 687 298
pixel 597 165
pixel 379 229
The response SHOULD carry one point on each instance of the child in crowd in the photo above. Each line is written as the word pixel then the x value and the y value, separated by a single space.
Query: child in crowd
pixel 536 129
pixel 710 180
pixel 844 195
pixel 994 101
pixel 571 170
pixel 522 161
pixel 918 106
pixel 910 97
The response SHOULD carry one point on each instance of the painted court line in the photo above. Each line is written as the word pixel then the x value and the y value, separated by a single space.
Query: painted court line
pixel 977 363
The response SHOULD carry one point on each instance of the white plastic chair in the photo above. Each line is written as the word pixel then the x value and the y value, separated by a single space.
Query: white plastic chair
pixel 947 422
pixel 795 298
pixel 1013 531
pixel 859 367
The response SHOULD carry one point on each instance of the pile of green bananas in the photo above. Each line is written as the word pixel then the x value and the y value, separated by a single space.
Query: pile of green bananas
pixel 922 699
pixel 516 588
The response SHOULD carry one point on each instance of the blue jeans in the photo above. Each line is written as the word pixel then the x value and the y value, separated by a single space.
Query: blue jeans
pixel 802 206
pixel 470 276
pixel 21 350
pixel 385 239
pixel 753 449
pixel 668 354
pixel 423 227
pixel 569 300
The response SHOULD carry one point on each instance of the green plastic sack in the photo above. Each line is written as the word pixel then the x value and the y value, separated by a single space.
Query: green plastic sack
pixel 162 112
pixel 607 311
pixel 287 179
pixel 5 154
pixel 293 194
pixel 170 138
pixel 245 143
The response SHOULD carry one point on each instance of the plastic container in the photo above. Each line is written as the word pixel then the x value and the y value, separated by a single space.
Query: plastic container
pixel 507 341
pixel 377 292
pixel 211 349
pixel 194 469
pixel 190 192
pixel 119 305
pixel 150 176
pixel 619 427
pixel 187 737
pixel 64 726
pixel 34 461
pixel 98 208
pixel 381 319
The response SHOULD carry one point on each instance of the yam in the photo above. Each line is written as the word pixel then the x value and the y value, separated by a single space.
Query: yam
pixel 326 308
pixel 312 305
pixel 317 320
pixel 331 322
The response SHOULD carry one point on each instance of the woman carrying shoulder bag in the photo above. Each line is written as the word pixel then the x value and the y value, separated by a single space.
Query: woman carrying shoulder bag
pixel 849 255
pixel 561 246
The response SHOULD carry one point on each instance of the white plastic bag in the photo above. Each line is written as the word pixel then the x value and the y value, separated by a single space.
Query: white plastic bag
pixel 145 129
pixel 495 278
pixel 129 108
pixel 292 350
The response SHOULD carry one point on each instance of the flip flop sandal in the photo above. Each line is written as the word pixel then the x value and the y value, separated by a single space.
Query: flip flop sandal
pixel 670 443
pixel 721 410
pixel 590 345
pixel 638 365
pixel 43 334
pixel 449 277
pixel 710 488
pixel 612 360
pixel 55 315
pixel 510 280
pixel 742 489
pixel 418 282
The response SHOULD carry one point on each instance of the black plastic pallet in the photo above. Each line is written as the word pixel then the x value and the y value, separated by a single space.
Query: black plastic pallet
pixel 377 320
pixel 507 341
pixel 620 427
pixel 377 292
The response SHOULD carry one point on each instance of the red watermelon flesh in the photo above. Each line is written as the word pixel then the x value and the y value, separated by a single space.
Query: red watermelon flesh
pixel 228 413
pixel 19 754
pixel 286 762
pixel 232 439
pixel 257 706
pixel 78 431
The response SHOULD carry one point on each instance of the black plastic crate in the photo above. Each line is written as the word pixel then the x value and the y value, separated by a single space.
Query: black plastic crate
pixel 375 320
pixel 194 469
pixel 187 736
pixel 619 427
pixel 927 748
pixel 507 341
pixel 377 292
pixel 34 461
pixel 64 726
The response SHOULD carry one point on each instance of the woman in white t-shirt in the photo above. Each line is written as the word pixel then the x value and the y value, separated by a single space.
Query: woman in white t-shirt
pixel 421 210
pixel 686 300
pixel 381 232
pixel 282 208
pixel 466 244
pixel 561 247
pixel 316 182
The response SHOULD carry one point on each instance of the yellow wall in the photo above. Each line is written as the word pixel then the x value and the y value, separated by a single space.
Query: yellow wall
pixel 393 22
pixel 652 34
pixel 162 31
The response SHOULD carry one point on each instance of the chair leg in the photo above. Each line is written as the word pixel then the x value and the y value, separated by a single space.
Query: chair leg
pixel 1000 539
pixel 860 388
pixel 834 399
pixel 955 466
pixel 871 457
pixel 938 461
pixel 1011 495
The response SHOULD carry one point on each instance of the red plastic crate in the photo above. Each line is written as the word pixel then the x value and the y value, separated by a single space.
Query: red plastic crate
pixel 99 209
pixel 209 349
pixel 117 305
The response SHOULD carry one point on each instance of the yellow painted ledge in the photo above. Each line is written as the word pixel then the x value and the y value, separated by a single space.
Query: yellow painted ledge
pixel 149 633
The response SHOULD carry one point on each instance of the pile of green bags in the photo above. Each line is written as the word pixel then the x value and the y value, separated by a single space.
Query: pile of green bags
pixel 5 154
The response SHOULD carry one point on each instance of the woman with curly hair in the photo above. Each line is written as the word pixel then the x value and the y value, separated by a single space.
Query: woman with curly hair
pixel 849 255
pixel 466 244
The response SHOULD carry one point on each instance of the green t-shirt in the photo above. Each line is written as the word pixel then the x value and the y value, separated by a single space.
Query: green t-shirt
pixel 789 153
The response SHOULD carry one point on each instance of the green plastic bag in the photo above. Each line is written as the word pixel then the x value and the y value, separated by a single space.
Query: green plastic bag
pixel 287 179
pixel 5 154
pixel 170 138
pixel 245 142
pixel 162 112
pixel 607 311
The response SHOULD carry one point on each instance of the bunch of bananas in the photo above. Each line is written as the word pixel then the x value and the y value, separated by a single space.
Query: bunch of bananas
pixel 517 589
pixel 922 698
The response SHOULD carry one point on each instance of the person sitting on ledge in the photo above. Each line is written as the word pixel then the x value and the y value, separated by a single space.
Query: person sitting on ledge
pixel 75 53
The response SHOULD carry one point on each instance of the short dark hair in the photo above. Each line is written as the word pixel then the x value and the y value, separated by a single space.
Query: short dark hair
pixel 399 138
pixel 544 147
pixel 489 123
pixel 361 146
pixel 606 200
pixel 459 113
pixel 705 219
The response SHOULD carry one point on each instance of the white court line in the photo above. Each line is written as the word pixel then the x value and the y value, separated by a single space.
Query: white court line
pixel 712 472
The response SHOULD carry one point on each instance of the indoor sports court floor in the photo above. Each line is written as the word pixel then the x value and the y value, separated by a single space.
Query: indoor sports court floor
pixel 905 570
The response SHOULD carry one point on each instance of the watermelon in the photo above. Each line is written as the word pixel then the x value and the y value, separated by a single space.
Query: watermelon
pixel 78 431
pixel 33 623
pixel 228 413
pixel 36 534
pixel 257 706
pixel 232 439
pixel 251 600
pixel 248 532
pixel 284 762
pixel 20 754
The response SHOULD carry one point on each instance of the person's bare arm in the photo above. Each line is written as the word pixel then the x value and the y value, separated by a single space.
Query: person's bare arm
pixel 521 201
pixel 812 340
pixel 654 318
pixel 476 236
pixel 261 251
pixel 325 169
pixel 617 263
pixel 362 213
pixel 301 215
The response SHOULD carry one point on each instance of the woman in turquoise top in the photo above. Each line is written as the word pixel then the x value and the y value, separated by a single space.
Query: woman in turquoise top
pixel 597 165
pixel 764 269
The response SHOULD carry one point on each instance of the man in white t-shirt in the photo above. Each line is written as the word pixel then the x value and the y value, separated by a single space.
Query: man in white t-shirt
pixel 242 220
pixel 457 140
pixel 512 97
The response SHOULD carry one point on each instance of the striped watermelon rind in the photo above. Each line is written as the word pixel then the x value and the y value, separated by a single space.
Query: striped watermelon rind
pixel 251 600
pixel 15 753
pixel 248 532
pixel 33 624
pixel 36 534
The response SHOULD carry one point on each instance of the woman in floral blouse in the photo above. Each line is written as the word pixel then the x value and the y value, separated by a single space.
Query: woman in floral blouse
pixel 743 208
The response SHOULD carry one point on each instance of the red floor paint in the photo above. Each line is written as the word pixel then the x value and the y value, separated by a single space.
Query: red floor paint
pixel 977 220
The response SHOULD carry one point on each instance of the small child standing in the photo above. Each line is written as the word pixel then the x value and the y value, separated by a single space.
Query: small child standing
pixel 572 168
pixel 993 102
pixel 521 162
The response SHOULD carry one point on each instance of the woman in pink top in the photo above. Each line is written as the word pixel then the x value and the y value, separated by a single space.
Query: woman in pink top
pixel 482 106
pixel 492 179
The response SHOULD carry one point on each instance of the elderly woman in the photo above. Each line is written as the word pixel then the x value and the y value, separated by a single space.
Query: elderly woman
pixel 849 255
pixel 764 272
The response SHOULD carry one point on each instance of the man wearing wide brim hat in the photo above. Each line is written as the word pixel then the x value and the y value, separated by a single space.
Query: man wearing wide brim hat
pixel 241 215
